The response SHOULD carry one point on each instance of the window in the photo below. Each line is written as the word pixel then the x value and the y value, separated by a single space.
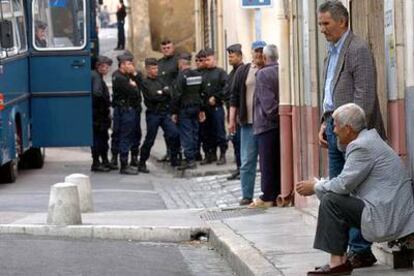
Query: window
pixel 13 11
pixel 59 25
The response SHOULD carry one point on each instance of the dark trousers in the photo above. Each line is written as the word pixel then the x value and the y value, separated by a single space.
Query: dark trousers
pixel 337 214
pixel 213 130
pixel 269 153
pixel 136 139
pixel 154 121
pixel 189 129
pixel 127 120
pixel 236 145
pixel 121 35
pixel 336 157
pixel 100 142
pixel 137 133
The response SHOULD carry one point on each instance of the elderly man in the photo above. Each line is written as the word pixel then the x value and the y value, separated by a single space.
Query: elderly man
pixel 373 192
pixel 349 77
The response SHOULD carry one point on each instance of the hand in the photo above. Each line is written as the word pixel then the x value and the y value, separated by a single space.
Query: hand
pixel 231 126
pixel 306 187
pixel 212 101
pixel 201 116
pixel 132 83
pixel 322 141
pixel 174 118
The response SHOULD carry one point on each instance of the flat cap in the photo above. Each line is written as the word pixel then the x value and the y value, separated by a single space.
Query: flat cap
pixel 209 52
pixel 124 57
pixel 258 44
pixel 185 56
pixel 104 60
pixel 235 48
pixel 151 61
pixel 40 24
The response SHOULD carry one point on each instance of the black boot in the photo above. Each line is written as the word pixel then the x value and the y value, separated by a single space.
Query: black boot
pixel 97 166
pixel 134 160
pixel 188 165
pixel 106 163
pixel 114 161
pixel 207 159
pixel 142 167
pixel 222 159
pixel 235 175
pixel 125 169
pixel 198 157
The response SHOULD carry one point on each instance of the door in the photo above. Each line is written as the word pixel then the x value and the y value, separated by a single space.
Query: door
pixel 60 77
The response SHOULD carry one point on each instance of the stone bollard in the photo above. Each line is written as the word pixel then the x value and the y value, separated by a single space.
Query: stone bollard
pixel 64 206
pixel 84 189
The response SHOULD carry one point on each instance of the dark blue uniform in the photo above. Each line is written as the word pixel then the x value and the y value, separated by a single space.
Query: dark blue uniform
pixel 157 99
pixel 127 108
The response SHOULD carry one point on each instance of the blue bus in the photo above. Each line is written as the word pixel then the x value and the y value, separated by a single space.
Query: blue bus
pixel 45 79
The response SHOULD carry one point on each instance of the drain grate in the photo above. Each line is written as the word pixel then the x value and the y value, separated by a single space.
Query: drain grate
pixel 231 213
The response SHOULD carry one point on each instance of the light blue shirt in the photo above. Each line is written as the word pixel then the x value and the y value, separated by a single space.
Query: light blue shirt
pixel 334 51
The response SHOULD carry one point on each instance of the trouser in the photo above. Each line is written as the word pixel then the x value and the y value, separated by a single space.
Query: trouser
pixel 236 145
pixel 269 153
pixel 214 132
pixel 127 119
pixel 189 129
pixel 248 154
pixel 100 141
pixel 121 35
pixel 154 121
pixel 136 140
pixel 136 137
pixel 337 214
pixel 336 161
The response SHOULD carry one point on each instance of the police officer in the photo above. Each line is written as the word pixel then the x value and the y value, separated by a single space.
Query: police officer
pixel 213 130
pixel 157 99
pixel 101 115
pixel 167 71
pixel 127 106
pixel 235 58
pixel 187 109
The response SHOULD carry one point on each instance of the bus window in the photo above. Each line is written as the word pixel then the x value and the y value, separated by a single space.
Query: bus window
pixel 59 25
pixel 13 11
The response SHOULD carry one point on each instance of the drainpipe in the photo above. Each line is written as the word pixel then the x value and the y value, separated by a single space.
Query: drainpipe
pixel 285 105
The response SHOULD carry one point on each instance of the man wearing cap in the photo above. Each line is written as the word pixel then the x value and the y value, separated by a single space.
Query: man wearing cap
pixel 40 34
pixel 241 104
pixel 127 105
pixel 235 57
pixel 101 115
pixel 187 108
pixel 167 71
pixel 214 132
pixel 200 67
pixel 157 99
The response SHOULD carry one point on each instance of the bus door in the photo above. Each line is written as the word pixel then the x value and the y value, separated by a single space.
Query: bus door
pixel 60 77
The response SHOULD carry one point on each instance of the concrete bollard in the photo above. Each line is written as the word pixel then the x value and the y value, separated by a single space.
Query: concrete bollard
pixel 64 206
pixel 84 189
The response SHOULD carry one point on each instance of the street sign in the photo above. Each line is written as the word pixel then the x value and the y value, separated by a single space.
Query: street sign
pixel 256 4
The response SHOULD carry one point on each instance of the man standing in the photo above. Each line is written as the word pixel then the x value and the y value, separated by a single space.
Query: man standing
pixel 187 109
pixel 214 132
pixel 235 57
pixel 266 127
pixel 101 104
pixel 373 193
pixel 120 17
pixel 167 71
pixel 241 105
pixel 127 106
pixel 349 77
pixel 157 99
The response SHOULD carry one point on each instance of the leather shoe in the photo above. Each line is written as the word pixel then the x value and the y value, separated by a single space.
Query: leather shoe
pixel 359 260
pixel 245 201
pixel 343 269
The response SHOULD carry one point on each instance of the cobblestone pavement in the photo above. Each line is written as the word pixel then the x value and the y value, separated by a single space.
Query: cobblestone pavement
pixel 202 192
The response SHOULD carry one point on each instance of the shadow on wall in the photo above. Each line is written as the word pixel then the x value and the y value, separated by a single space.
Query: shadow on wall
pixel 172 19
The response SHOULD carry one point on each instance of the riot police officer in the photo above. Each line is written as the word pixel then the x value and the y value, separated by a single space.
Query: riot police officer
pixel 157 99
pixel 213 130
pixel 101 115
pixel 127 107
pixel 187 109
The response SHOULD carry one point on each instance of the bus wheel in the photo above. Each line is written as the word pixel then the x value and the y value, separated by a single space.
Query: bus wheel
pixel 8 172
pixel 36 158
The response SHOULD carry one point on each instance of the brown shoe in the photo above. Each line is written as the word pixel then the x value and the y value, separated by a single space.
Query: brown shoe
pixel 365 259
pixel 245 201
pixel 343 269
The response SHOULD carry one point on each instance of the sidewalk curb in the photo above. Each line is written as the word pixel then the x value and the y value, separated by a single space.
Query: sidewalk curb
pixel 243 258
pixel 114 232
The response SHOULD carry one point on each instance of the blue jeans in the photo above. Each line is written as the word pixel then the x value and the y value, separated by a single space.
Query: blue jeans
pixel 189 128
pixel 249 153
pixel 336 158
